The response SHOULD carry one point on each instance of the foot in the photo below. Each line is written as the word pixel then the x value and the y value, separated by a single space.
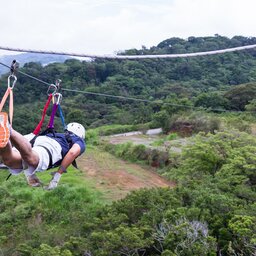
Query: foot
pixel 4 129
pixel 33 181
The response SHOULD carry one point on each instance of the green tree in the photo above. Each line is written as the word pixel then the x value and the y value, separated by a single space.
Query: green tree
pixel 243 229
pixel 241 95
pixel 211 100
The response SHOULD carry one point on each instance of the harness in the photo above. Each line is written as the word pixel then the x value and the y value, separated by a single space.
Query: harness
pixel 56 97
pixel 68 139
pixel 52 96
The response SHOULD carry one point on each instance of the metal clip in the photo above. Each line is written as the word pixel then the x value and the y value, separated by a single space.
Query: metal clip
pixel 57 98
pixel 52 87
pixel 57 83
pixel 14 81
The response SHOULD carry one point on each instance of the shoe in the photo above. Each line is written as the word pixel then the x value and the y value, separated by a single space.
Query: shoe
pixel 33 181
pixel 4 129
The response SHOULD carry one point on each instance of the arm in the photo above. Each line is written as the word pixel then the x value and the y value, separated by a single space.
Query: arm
pixel 72 154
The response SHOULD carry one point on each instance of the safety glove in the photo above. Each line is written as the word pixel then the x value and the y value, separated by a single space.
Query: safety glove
pixel 54 182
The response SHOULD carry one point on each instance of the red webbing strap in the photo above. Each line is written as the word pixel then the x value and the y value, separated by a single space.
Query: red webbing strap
pixel 39 126
pixel 7 93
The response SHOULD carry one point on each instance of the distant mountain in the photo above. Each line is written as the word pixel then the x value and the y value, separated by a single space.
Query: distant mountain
pixel 23 58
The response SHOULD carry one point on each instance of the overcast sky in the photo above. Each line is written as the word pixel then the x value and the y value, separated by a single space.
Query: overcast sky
pixel 105 26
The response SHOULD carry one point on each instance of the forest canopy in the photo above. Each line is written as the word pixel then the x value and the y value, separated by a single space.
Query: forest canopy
pixel 224 82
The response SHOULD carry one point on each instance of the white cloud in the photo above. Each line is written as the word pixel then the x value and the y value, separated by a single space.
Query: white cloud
pixel 103 27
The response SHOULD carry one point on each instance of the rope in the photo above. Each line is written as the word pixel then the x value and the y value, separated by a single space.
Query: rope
pixel 94 56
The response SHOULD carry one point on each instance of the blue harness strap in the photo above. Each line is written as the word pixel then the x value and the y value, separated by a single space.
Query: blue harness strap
pixel 62 117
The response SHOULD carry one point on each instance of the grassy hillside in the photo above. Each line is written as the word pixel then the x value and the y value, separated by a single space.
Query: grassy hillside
pixel 211 207
pixel 34 216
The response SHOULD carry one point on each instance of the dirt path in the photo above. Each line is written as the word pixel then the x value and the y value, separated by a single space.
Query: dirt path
pixel 115 177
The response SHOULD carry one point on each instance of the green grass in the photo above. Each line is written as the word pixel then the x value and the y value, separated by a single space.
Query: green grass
pixel 29 214
pixel 160 142
pixel 117 128
pixel 72 182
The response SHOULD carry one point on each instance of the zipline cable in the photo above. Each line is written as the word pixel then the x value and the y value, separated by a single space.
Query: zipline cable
pixel 143 100
pixel 121 97
pixel 25 74
pixel 113 56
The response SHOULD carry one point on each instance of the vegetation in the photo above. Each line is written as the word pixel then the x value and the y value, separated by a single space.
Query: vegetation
pixel 138 153
pixel 217 82
pixel 212 209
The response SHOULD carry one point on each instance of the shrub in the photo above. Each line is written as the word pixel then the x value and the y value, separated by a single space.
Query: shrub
pixel 137 153
pixel 197 122
pixel 92 137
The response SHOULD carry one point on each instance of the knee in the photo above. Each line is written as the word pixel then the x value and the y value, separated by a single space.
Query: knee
pixel 7 161
pixel 31 159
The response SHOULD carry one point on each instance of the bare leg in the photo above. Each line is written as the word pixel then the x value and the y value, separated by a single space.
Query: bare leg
pixel 14 158
pixel 11 158
pixel 28 155
pixel 25 149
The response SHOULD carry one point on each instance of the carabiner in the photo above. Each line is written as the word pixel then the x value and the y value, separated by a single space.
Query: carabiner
pixel 51 86
pixel 57 83
pixel 57 98
pixel 14 81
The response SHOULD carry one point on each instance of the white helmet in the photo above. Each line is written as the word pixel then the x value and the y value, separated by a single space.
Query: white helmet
pixel 77 129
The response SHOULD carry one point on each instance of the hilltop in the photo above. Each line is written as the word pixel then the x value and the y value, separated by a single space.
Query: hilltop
pixel 23 58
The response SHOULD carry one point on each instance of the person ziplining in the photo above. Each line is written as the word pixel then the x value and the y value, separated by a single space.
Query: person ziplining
pixel 37 151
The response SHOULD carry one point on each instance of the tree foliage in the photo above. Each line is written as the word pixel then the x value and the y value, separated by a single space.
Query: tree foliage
pixel 222 82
